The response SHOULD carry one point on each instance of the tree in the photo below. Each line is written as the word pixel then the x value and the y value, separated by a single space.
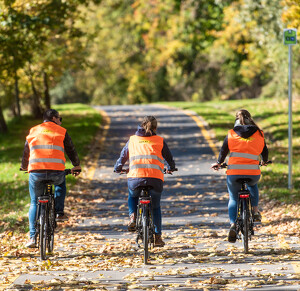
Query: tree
pixel 249 49
pixel 31 33
pixel 145 51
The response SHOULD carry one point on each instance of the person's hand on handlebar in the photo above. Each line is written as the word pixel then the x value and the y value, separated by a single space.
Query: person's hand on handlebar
pixel 216 166
pixel 76 171
pixel 170 171
pixel 263 163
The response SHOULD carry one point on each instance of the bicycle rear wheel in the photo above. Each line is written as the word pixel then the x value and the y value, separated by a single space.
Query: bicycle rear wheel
pixel 52 225
pixel 245 230
pixel 43 233
pixel 145 238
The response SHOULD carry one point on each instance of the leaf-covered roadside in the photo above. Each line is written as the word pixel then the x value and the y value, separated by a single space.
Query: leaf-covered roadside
pixel 87 257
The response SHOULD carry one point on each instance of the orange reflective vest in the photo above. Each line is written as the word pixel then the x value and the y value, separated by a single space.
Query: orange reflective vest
pixel 244 153
pixel 145 157
pixel 46 145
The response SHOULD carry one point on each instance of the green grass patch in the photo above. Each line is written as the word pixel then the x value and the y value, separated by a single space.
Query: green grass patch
pixel 272 116
pixel 81 122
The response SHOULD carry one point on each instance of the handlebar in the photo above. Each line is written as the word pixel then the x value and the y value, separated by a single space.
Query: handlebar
pixel 125 171
pixel 171 171
pixel 67 171
pixel 224 165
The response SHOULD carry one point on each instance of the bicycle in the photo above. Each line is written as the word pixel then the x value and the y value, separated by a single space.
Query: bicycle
pixel 244 222
pixel 144 221
pixel 45 221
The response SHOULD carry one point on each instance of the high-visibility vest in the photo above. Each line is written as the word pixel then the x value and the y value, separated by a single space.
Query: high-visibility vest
pixel 46 145
pixel 244 153
pixel 145 157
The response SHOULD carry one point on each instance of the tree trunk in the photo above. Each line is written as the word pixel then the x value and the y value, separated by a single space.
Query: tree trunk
pixel 36 108
pixel 46 91
pixel 3 126
pixel 17 94
pixel 13 110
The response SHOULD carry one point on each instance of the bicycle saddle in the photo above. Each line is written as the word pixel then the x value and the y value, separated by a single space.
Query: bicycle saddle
pixel 244 180
pixel 145 187
pixel 47 182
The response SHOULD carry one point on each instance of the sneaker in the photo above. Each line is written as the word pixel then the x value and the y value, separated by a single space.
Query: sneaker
pixel 232 233
pixel 158 242
pixel 132 223
pixel 30 243
pixel 257 216
pixel 61 217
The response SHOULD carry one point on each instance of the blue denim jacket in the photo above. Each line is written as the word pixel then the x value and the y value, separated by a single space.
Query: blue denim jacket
pixel 133 183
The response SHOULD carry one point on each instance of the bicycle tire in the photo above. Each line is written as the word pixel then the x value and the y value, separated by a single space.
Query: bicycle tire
pixel 52 225
pixel 145 238
pixel 43 233
pixel 245 232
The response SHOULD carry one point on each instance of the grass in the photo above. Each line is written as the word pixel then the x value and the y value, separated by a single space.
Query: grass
pixel 272 116
pixel 81 122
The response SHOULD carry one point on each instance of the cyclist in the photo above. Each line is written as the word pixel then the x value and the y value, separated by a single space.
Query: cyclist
pixel 246 143
pixel 44 159
pixel 146 152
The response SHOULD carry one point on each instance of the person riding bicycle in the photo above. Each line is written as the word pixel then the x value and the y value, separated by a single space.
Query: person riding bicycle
pixel 146 153
pixel 44 159
pixel 246 143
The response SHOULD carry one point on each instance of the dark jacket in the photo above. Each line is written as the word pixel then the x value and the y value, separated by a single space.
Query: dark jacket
pixel 243 131
pixel 133 183
pixel 68 146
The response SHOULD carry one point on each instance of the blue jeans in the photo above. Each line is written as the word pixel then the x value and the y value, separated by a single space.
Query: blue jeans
pixel 36 189
pixel 133 199
pixel 234 187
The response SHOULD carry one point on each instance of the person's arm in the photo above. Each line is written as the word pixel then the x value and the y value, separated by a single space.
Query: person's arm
pixel 124 157
pixel 224 151
pixel 222 155
pixel 265 154
pixel 166 153
pixel 25 158
pixel 72 154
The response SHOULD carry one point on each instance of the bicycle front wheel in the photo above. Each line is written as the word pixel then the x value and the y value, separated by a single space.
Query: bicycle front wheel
pixel 245 232
pixel 43 233
pixel 145 238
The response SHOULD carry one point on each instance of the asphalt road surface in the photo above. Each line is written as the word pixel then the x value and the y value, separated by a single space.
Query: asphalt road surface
pixel 197 255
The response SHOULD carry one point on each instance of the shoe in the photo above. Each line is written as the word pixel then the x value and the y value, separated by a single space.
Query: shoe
pixel 232 233
pixel 61 217
pixel 30 243
pixel 257 216
pixel 158 242
pixel 132 223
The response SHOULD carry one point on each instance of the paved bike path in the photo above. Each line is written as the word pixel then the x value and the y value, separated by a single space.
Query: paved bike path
pixel 195 219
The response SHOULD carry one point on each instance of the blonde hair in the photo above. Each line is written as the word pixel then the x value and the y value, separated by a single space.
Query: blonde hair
pixel 149 123
pixel 245 118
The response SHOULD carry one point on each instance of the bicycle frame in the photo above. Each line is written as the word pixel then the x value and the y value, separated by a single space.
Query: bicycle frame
pixel 244 221
pixel 145 228
pixel 45 221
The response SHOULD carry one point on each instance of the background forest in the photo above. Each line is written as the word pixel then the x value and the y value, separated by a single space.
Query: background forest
pixel 134 51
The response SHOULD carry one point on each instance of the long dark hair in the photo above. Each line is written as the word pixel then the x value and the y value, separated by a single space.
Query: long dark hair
pixel 149 123
pixel 245 118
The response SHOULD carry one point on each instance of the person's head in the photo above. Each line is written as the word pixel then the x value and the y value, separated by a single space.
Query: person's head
pixel 52 115
pixel 149 123
pixel 243 117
